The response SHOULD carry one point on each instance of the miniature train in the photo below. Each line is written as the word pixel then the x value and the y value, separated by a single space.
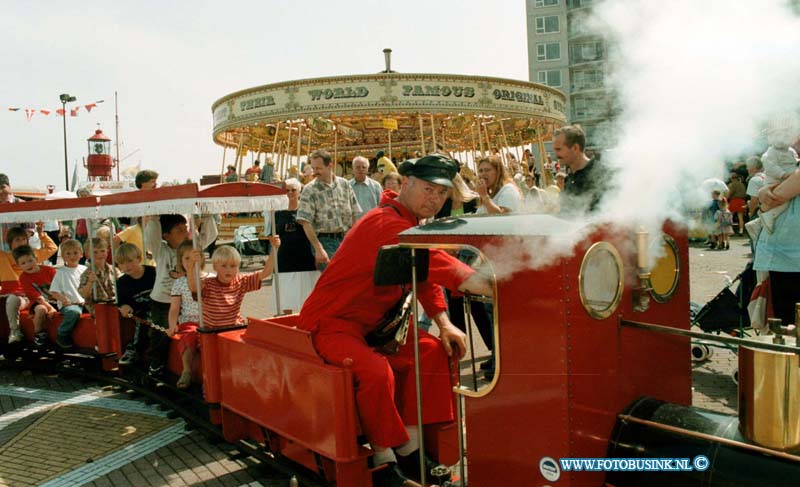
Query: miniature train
pixel 591 349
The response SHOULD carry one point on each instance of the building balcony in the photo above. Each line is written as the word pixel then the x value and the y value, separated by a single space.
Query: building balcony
pixel 588 89
pixel 581 63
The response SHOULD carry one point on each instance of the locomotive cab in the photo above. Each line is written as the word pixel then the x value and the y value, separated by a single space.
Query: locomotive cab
pixel 565 367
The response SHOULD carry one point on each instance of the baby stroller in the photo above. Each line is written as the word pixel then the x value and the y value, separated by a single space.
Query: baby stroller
pixel 246 241
pixel 725 313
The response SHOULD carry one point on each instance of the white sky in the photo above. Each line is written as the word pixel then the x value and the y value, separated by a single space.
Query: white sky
pixel 169 61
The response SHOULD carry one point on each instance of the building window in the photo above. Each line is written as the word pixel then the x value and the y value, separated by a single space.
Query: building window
pixel 547 24
pixel 583 107
pixel 550 78
pixel 578 25
pixel 579 3
pixel 545 3
pixel 587 79
pixel 550 51
pixel 586 52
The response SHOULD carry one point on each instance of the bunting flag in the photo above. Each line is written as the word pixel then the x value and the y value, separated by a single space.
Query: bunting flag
pixel 74 111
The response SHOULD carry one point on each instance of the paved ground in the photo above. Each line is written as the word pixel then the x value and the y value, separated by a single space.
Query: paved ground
pixel 59 432
pixel 710 271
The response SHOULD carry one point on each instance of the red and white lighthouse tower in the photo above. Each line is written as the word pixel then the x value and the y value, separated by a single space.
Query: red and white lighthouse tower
pixel 99 162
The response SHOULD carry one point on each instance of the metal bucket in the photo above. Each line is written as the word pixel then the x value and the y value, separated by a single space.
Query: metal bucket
pixel 769 395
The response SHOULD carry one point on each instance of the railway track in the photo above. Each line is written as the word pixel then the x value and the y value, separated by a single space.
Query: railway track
pixel 187 405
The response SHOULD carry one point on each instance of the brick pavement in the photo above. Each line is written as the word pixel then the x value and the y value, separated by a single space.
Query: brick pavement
pixel 49 434
pixel 52 445
pixel 710 271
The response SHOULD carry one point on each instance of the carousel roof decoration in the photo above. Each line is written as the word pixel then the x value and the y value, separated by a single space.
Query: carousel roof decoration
pixel 399 113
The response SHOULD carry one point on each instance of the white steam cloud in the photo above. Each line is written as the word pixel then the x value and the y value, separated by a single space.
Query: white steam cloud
pixel 695 82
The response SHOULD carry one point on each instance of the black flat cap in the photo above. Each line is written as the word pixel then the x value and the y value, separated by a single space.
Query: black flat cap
pixel 434 168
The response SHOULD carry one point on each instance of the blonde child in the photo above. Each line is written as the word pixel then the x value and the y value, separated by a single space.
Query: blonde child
pixel 133 297
pixel 223 294
pixel 723 219
pixel 97 285
pixel 10 272
pixel 64 289
pixel 184 315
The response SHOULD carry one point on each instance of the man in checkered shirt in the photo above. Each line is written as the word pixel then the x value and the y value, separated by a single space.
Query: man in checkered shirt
pixel 327 209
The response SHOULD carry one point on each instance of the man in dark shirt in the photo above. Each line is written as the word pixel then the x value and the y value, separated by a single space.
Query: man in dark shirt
pixel 588 178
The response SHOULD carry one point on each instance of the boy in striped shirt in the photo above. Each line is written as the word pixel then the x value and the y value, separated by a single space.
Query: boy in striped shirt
pixel 222 295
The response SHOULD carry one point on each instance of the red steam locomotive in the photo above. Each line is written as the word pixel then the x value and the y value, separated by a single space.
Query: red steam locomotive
pixel 591 345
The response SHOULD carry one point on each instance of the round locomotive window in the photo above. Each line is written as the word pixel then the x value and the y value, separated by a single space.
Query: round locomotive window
pixel 665 273
pixel 600 280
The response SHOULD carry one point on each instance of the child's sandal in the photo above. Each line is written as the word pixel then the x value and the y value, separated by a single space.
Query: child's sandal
pixel 185 380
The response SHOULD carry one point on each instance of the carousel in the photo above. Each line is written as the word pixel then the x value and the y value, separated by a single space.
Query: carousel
pixel 400 114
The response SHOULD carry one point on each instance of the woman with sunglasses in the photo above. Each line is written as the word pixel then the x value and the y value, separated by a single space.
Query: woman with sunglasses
pixel 298 272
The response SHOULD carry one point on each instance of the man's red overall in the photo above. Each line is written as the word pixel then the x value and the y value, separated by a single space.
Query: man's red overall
pixel 346 305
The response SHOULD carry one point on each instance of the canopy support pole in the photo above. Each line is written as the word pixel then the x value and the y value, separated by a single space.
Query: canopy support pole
pixel 505 139
pixel 335 148
pixel 433 134
pixel 239 154
pixel 542 155
pixel 480 140
pixel 472 136
pixel 222 172
pixel 288 152
pixel 275 279
pixel 299 145
pixel 488 139
pixel 275 139
pixel 421 134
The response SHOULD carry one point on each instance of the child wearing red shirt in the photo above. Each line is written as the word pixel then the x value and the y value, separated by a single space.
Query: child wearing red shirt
pixel 10 272
pixel 35 281
pixel 223 294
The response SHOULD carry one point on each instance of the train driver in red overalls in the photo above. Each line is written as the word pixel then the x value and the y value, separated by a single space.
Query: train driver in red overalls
pixel 346 306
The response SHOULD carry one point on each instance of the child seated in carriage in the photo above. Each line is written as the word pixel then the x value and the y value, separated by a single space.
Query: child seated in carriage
pixel 223 293
pixel 10 272
pixel 184 314
pixel 134 290
pixel 65 289
pixel 35 280
pixel 97 285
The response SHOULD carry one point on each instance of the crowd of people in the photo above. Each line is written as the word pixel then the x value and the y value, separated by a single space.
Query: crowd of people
pixel 153 260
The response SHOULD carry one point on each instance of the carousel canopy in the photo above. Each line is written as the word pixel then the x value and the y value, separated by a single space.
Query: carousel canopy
pixel 366 113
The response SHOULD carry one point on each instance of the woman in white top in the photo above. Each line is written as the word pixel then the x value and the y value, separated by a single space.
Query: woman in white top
pixel 496 188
